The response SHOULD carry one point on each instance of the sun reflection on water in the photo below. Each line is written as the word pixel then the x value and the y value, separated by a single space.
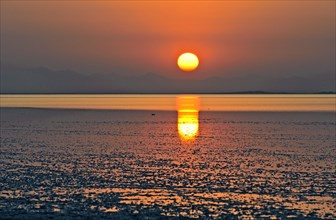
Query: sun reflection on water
pixel 187 122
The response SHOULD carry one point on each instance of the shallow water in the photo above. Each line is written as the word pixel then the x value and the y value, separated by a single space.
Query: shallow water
pixel 210 102
pixel 137 164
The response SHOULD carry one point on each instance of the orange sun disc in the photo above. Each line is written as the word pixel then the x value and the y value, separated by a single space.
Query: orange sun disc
pixel 187 62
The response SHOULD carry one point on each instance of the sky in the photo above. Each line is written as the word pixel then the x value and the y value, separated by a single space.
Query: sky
pixel 132 46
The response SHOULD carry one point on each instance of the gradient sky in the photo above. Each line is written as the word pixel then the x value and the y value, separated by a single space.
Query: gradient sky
pixel 132 38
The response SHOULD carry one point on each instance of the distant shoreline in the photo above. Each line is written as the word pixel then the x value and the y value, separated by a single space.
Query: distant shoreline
pixel 203 93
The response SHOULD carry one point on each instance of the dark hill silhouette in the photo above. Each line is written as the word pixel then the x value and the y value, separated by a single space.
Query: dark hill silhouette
pixel 45 80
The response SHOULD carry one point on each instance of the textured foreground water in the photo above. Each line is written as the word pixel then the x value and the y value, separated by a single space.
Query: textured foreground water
pixel 75 164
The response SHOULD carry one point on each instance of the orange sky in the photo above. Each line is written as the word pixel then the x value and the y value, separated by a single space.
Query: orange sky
pixel 138 37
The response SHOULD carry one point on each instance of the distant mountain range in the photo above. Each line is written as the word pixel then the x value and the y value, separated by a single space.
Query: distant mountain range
pixel 43 80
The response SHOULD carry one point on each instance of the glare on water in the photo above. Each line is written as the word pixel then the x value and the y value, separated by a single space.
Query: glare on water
pixel 210 102
pixel 187 123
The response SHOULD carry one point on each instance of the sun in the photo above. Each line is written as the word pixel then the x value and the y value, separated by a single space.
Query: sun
pixel 187 62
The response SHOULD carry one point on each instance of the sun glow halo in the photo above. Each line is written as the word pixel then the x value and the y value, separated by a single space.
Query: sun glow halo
pixel 187 62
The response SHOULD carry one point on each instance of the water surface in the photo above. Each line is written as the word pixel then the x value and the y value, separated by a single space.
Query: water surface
pixel 168 102
pixel 179 157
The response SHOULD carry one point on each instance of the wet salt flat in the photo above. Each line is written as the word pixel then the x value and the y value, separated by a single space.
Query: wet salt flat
pixel 105 164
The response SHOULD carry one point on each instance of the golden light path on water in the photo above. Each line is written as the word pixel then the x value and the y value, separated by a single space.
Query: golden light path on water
pixel 187 119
